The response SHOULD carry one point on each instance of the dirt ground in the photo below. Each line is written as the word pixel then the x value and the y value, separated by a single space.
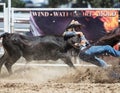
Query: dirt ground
pixel 36 79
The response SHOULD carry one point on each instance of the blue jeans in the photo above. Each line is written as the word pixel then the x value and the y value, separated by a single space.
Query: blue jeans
pixel 90 55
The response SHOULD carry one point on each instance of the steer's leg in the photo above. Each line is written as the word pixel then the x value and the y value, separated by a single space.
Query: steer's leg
pixel 8 65
pixel 66 59
pixel 3 59
pixel 10 62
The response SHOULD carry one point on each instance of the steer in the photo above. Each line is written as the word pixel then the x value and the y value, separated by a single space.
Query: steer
pixel 32 48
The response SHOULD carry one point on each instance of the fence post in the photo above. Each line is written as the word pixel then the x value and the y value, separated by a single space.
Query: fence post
pixel 9 16
pixel 12 20
pixel 5 18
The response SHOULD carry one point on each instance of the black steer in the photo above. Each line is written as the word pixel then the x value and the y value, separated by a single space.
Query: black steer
pixel 32 48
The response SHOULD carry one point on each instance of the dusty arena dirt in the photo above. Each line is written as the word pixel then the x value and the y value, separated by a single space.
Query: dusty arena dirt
pixel 36 79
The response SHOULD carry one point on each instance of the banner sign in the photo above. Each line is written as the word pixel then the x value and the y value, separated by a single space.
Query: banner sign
pixel 54 22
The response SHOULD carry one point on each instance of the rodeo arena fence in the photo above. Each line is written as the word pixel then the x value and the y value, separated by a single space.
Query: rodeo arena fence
pixel 16 20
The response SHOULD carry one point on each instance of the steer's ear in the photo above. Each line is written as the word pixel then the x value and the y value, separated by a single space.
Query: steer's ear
pixel 4 34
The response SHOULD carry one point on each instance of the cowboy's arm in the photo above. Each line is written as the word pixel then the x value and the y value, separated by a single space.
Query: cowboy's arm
pixel 83 41
pixel 69 33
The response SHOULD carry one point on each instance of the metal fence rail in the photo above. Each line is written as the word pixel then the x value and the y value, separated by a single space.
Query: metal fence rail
pixel 3 18
pixel 20 20
pixel 57 65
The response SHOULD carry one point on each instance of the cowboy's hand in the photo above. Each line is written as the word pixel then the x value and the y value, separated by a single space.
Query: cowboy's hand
pixel 79 33
pixel 77 44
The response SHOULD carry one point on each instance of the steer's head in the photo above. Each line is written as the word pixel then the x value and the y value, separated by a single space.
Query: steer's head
pixel 73 40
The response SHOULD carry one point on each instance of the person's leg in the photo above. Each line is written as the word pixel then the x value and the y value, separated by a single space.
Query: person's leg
pixel 101 62
pixel 92 59
pixel 97 50
pixel 110 50
pixel 90 54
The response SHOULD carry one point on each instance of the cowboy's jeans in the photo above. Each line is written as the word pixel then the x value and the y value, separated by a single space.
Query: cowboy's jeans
pixel 91 53
pixel 97 50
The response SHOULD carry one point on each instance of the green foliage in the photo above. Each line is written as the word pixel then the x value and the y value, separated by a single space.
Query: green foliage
pixel 55 3
pixel 102 3
pixel 15 3
pixel 1 8
pixel 94 3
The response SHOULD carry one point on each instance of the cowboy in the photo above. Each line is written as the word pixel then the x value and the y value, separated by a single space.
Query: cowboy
pixel 90 54
pixel 74 29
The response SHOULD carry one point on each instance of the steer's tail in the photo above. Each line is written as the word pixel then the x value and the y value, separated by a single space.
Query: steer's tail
pixel 4 35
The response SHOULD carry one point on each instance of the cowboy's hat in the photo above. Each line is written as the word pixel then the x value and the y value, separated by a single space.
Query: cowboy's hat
pixel 74 24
